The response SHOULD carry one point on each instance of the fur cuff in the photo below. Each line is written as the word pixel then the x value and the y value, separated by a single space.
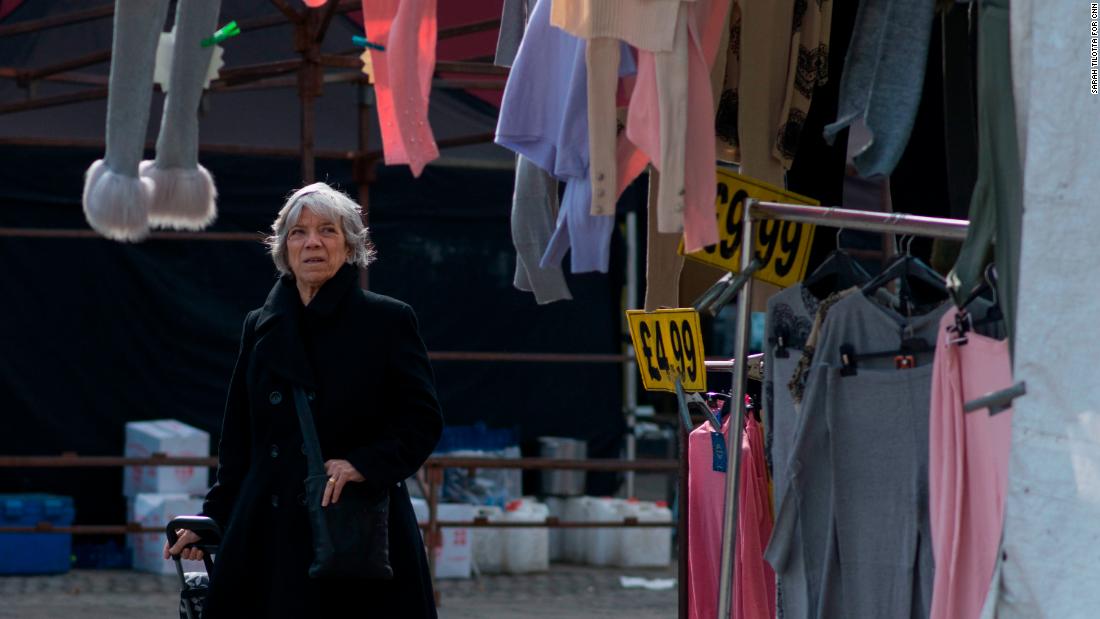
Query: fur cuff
pixel 116 205
pixel 183 198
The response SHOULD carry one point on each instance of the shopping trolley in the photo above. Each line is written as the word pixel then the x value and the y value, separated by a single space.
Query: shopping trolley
pixel 195 585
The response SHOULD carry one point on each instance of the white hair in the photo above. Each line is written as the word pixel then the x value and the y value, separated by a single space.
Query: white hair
pixel 327 202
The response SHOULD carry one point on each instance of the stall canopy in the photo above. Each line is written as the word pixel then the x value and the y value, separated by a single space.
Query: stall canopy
pixel 98 333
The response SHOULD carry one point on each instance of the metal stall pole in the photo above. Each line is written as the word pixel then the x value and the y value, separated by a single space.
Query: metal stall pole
pixel 871 221
pixel 435 483
pixel 630 371
pixel 733 441
pixel 363 165
pixel 682 532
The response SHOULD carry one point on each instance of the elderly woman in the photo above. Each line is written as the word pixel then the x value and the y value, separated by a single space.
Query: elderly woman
pixel 360 359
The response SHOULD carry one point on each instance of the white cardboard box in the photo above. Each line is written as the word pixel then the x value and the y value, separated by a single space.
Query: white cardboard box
pixel 155 510
pixel 453 559
pixel 172 438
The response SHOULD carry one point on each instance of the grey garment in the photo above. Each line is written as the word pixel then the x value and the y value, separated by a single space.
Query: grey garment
pixel 184 193
pixel 534 213
pixel 878 429
pixel 996 207
pixel 513 21
pixel 856 503
pixel 178 142
pixel 138 24
pixel 790 317
pixel 883 77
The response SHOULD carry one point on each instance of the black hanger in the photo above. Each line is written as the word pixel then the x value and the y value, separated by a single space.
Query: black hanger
pixel 839 271
pixel 920 286
pixel 964 320
pixel 781 338
pixel 905 356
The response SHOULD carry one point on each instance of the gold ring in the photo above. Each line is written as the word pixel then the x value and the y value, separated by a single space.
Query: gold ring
pixel 332 480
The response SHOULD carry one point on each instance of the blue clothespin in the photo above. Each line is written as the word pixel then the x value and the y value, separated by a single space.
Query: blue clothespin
pixel 363 42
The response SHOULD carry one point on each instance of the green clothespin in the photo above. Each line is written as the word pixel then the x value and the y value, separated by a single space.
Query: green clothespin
pixel 229 30
pixel 363 42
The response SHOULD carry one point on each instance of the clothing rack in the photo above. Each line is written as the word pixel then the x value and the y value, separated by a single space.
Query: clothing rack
pixel 934 227
pixel 998 401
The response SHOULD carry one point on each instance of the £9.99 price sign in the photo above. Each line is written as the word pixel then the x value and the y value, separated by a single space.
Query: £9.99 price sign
pixel 668 343
pixel 782 246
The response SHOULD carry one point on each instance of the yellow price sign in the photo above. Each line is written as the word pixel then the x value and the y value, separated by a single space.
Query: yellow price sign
pixel 668 343
pixel 783 246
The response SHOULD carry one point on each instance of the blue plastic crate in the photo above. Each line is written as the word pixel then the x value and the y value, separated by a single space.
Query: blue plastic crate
pixel 476 437
pixel 35 553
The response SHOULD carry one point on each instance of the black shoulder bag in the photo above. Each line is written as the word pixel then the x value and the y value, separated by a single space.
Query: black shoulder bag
pixel 350 538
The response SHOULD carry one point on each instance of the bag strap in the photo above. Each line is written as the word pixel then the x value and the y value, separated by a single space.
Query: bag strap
pixel 314 462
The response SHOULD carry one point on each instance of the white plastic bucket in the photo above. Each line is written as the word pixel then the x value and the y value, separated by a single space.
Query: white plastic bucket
pixel 526 549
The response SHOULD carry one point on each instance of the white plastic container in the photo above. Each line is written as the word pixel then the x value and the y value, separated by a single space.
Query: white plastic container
pixel 556 507
pixel 526 550
pixel 575 540
pixel 644 546
pixel 602 547
pixel 627 536
pixel 172 438
pixel 488 542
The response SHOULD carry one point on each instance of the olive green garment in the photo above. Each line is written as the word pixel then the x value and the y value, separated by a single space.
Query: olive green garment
pixel 996 208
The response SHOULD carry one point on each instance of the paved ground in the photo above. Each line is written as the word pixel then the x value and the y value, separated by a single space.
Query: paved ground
pixel 566 591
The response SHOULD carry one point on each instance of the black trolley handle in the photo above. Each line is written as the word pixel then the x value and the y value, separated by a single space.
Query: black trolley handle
pixel 209 532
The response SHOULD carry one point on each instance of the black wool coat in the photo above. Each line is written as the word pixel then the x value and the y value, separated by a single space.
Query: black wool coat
pixel 365 369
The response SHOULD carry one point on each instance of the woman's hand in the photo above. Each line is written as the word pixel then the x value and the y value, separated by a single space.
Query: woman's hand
pixel 185 537
pixel 339 472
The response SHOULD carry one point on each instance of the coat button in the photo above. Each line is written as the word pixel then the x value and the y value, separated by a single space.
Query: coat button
pixel 303 449
pixel 302 498
pixel 275 397
pixel 311 396
pixel 274 451
pixel 274 500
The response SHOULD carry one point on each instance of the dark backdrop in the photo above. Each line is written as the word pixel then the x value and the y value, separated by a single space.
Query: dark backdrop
pixel 95 333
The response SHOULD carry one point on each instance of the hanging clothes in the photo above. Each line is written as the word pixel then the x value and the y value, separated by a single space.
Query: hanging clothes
pixel 787 325
pixel 753 593
pixel 670 120
pixel 727 110
pixel 852 535
pixel 535 202
pixel 996 206
pixel 881 83
pixel 513 22
pixel 808 69
pixel 783 56
pixel 644 24
pixel 543 117
pixel 534 210
pixel 968 469
pixel 406 30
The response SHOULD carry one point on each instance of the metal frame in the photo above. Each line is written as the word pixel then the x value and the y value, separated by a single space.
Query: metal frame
pixel 934 227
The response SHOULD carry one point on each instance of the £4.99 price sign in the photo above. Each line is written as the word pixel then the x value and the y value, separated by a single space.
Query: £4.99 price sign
pixel 783 246
pixel 668 343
